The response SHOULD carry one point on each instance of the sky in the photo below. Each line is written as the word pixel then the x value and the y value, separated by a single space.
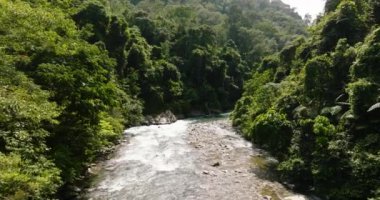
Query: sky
pixel 312 7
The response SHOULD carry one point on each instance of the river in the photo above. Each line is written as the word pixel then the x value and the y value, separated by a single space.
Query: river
pixel 187 160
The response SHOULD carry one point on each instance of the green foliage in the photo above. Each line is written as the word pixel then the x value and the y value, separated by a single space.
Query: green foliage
pixel 327 86
pixel 51 135
pixel 344 22
pixel 323 129
pixel 363 94
pixel 24 171
pixel 27 179
pixel 342 59
pixel 366 63
pixel 161 86
pixel 318 77
pixel 244 111
pixel 269 63
pixel 24 106
pixel 331 5
pixel 213 44
pixel 272 131
pixel 374 14
pixel 74 73
pixel 110 128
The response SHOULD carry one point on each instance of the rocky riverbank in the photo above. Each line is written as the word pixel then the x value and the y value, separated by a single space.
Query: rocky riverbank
pixel 231 167
pixel 166 117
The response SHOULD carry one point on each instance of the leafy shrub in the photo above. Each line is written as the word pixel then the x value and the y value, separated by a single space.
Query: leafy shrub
pixel 363 94
pixel 27 179
pixel 272 131
pixel 366 65
pixel 318 77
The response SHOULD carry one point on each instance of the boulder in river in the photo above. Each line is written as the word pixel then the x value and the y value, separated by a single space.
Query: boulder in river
pixel 216 164
pixel 166 117
pixel 296 197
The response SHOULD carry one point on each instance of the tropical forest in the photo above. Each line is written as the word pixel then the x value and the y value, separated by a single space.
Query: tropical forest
pixel 189 99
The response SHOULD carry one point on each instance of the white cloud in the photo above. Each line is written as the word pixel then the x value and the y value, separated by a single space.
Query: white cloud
pixel 312 7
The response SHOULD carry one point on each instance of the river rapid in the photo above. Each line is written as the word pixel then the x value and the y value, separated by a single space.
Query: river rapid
pixel 187 160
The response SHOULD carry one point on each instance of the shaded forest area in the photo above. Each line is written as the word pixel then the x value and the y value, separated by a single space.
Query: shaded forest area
pixel 74 73
pixel 315 104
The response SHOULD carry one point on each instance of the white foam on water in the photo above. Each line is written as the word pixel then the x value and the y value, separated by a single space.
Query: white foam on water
pixel 155 149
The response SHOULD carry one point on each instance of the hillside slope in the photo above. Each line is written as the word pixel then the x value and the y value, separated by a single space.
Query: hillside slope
pixel 74 73
pixel 315 104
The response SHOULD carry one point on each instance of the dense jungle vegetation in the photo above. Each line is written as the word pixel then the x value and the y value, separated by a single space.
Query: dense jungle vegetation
pixel 315 104
pixel 74 73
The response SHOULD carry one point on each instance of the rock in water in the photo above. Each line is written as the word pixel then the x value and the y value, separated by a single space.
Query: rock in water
pixel 296 197
pixel 216 164
pixel 166 117
pixel 206 172
pixel 267 198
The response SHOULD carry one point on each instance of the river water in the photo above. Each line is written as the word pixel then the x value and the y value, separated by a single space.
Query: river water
pixel 186 160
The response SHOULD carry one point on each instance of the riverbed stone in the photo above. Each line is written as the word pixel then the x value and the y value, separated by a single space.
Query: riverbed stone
pixel 166 117
pixel 216 164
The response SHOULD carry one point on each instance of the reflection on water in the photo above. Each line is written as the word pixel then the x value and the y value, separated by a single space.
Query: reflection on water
pixel 263 166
